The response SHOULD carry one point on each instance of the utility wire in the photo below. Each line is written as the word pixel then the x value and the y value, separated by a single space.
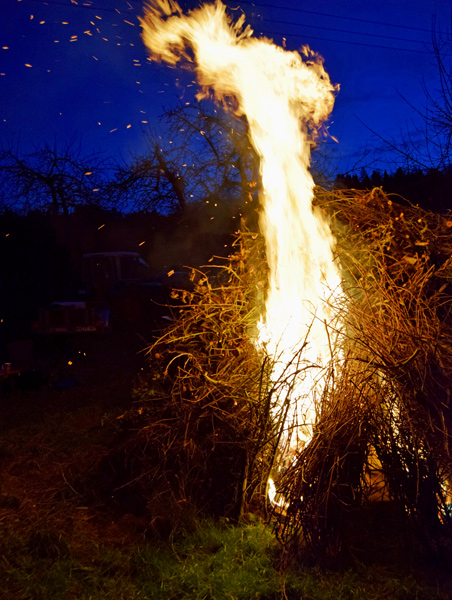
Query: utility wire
pixel 377 35
pixel 264 5
pixel 284 34
pixel 320 14
pixel 88 6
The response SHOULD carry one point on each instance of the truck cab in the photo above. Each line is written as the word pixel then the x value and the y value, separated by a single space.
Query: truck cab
pixel 103 272
pixel 111 281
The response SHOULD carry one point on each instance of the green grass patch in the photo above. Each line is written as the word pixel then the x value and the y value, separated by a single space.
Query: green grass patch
pixel 218 561
pixel 214 562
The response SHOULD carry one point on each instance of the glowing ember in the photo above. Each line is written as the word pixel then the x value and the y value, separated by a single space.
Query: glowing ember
pixel 283 96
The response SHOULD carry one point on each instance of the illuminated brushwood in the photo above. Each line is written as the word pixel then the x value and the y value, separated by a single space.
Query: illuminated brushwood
pixel 284 96
pixel 201 431
pixel 381 454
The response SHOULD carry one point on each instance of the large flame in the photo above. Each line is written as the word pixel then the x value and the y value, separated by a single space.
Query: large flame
pixel 283 96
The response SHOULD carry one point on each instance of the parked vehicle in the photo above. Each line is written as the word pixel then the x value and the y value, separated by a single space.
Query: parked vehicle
pixel 116 286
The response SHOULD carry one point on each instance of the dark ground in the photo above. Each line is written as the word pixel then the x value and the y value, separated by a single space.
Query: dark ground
pixel 52 435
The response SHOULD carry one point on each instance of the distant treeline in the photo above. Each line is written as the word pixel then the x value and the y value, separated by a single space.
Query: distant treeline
pixel 432 189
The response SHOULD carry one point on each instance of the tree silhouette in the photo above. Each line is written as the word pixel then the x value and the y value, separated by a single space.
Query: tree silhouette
pixel 205 155
pixel 219 158
pixel 152 182
pixel 51 180
pixel 429 145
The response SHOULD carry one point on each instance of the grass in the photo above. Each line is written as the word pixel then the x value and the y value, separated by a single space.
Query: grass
pixel 214 562
pixel 218 561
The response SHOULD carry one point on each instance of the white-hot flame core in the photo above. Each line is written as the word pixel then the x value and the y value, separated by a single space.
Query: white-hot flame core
pixel 282 97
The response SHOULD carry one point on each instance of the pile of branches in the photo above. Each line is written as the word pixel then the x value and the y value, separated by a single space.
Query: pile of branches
pixel 381 444
pixel 208 418
pixel 200 434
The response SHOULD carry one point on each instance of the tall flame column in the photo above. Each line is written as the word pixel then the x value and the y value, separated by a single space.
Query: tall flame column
pixel 282 95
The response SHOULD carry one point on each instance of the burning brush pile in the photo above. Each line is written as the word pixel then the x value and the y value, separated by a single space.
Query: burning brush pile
pixel 310 370
pixel 383 429
pixel 212 426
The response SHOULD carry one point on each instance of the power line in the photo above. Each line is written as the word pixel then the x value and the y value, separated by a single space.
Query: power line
pixel 323 39
pixel 264 5
pixel 377 35
pixel 82 6
pixel 284 34
pixel 320 14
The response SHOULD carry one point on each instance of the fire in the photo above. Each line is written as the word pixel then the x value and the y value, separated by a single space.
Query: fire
pixel 284 96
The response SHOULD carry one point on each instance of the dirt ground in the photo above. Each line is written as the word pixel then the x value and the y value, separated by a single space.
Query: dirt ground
pixel 53 431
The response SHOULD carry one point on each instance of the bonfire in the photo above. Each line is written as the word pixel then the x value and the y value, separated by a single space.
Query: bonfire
pixel 308 373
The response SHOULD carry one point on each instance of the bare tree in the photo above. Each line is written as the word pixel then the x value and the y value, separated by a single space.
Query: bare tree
pixel 429 145
pixel 438 110
pixel 220 160
pixel 205 154
pixel 152 182
pixel 51 179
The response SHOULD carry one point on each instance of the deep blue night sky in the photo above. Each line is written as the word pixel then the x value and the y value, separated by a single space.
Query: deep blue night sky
pixel 77 70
